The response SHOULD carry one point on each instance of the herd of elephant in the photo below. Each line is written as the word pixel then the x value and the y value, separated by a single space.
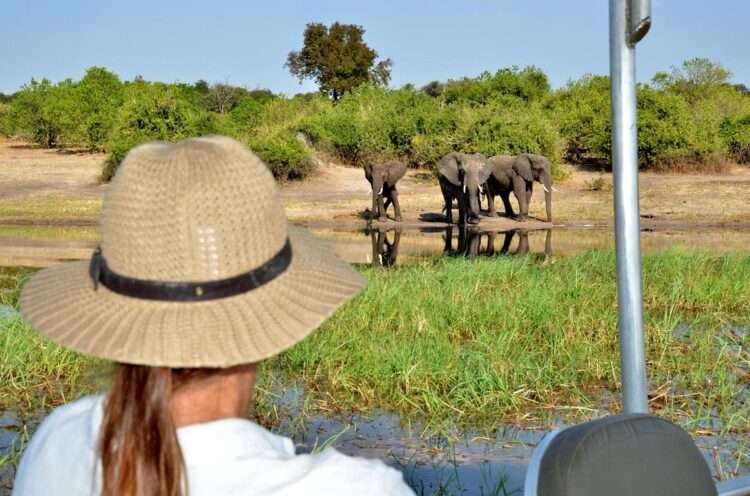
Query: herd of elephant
pixel 464 177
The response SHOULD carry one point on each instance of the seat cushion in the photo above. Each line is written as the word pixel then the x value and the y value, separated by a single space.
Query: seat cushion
pixel 624 455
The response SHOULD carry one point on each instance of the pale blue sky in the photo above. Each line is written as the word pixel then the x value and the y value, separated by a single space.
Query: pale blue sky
pixel 246 42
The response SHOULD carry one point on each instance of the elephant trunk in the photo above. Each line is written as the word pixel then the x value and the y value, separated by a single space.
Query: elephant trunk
pixel 547 185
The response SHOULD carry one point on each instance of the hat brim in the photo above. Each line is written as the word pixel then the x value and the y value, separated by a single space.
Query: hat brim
pixel 60 302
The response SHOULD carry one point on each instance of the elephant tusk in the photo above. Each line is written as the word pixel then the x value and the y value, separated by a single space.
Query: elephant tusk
pixel 545 188
pixel 555 189
pixel 465 189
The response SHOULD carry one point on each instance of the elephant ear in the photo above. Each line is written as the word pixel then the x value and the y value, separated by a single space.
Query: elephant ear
pixel 368 171
pixel 396 171
pixel 448 168
pixel 540 165
pixel 485 170
pixel 522 167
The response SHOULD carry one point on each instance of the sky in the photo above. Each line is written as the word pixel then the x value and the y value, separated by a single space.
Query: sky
pixel 245 42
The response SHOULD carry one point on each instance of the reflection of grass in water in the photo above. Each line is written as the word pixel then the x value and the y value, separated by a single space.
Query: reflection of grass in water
pixel 37 232
pixel 483 341
pixel 45 209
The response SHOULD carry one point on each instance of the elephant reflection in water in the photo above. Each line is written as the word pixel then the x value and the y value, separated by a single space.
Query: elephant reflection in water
pixel 384 250
pixel 474 243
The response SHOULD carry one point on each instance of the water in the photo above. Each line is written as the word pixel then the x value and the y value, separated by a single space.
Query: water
pixel 39 246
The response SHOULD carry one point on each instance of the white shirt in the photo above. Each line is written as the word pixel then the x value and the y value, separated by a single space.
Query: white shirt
pixel 224 457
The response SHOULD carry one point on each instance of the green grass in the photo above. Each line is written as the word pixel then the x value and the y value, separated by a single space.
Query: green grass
pixel 486 341
pixel 480 342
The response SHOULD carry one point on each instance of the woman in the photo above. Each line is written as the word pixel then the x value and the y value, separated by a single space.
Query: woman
pixel 197 279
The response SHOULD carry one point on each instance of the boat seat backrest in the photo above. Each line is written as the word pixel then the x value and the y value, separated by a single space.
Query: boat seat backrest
pixel 617 456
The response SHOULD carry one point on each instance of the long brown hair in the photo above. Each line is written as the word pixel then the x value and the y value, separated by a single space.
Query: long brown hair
pixel 138 441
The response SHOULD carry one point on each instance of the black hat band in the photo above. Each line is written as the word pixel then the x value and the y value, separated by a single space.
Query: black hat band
pixel 188 291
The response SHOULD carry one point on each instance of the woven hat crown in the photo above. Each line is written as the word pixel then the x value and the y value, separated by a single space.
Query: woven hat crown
pixel 203 209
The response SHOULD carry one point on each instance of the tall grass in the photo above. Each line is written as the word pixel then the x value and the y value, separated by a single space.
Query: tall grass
pixel 485 341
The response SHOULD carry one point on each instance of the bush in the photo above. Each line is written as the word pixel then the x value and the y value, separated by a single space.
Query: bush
pixel 99 94
pixel 583 114
pixel 666 129
pixel 153 112
pixel 286 155
pixel 30 114
pixel 512 130
pixel 4 119
pixel 528 84
pixel 735 132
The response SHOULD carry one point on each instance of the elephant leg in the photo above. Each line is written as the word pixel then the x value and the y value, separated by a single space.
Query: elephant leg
pixel 448 200
pixel 381 206
pixel 375 252
pixel 490 201
pixel 519 189
pixel 448 238
pixel 462 210
pixel 529 192
pixel 523 243
pixel 507 240
pixel 505 196
pixel 396 204
pixel 491 243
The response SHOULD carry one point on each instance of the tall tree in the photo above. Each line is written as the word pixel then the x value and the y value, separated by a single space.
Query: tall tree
pixel 338 59
pixel 695 79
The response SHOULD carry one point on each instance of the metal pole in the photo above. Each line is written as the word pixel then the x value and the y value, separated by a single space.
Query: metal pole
pixel 622 39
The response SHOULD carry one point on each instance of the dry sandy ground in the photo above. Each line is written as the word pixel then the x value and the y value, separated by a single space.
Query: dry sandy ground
pixel 27 171
pixel 339 196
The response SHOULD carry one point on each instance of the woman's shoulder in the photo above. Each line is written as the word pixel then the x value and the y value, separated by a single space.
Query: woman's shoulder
pixel 75 418
pixel 68 434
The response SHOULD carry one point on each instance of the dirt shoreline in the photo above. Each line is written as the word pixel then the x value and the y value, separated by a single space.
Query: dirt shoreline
pixel 46 187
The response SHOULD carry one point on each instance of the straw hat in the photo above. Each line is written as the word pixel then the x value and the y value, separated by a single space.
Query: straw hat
pixel 194 268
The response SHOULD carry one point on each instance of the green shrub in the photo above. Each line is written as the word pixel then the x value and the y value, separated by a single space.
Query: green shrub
pixel 527 84
pixel 99 94
pixel 735 131
pixel 4 131
pixel 582 112
pixel 666 128
pixel 153 112
pixel 32 113
pixel 512 130
pixel 285 155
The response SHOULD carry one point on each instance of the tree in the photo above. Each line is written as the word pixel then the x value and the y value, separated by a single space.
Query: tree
pixel 338 59
pixel 433 88
pixel 100 94
pixel 201 86
pixel 222 98
pixel 695 79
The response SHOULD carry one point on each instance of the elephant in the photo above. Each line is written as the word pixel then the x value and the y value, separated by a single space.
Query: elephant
pixel 518 174
pixel 383 177
pixel 384 251
pixel 461 176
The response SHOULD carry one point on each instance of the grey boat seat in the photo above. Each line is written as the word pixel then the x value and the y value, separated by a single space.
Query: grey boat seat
pixel 619 455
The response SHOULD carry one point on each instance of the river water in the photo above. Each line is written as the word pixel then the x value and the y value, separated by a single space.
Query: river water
pixel 41 246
